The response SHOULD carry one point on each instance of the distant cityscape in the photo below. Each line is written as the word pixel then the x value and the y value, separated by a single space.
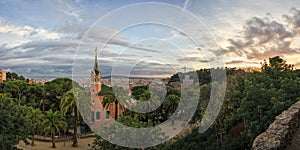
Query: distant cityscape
pixel 122 81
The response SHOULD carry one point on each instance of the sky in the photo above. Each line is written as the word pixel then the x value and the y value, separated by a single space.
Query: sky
pixel 58 38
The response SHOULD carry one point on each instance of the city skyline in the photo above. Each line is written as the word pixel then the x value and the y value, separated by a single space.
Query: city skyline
pixel 40 39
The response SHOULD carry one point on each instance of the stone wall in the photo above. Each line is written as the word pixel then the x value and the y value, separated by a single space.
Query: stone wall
pixel 281 131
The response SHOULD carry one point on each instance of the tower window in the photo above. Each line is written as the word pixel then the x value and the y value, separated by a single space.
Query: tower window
pixel 107 117
pixel 92 116
pixel 98 115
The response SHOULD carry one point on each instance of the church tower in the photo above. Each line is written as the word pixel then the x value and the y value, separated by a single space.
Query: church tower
pixel 95 77
pixel 99 114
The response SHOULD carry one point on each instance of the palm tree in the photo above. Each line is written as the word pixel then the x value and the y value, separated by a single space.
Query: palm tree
pixel 149 102
pixel 36 118
pixel 68 104
pixel 52 123
pixel 110 99
pixel 171 103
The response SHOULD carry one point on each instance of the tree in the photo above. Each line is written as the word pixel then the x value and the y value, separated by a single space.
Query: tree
pixel 265 95
pixel 276 67
pixel 52 123
pixel 69 104
pixel 171 103
pixel 14 125
pixel 54 92
pixel 153 135
pixel 17 89
pixel 36 118
pixel 13 76
pixel 137 91
pixel 24 93
pixel 252 101
pixel 111 96
pixel 110 100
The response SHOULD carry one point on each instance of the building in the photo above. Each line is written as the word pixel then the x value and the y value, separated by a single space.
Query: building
pixel 2 75
pixel 100 115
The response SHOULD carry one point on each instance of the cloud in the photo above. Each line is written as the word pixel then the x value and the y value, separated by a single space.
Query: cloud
pixel 26 31
pixel 240 62
pixel 293 19
pixel 262 38
pixel 100 35
pixel 44 44
pixel 195 59
pixel 151 68
pixel 188 59
pixel 35 50
pixel 235 62
pixel 109 36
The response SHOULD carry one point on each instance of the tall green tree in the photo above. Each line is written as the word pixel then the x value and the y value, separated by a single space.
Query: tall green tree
pixel 25 93
pixel 171 103
pixel 14 126
pixel 53 123
pixel 110 100
pixel 54 92
pixel 13 76
pixel 266 95
pixel 69 103
pixel 36 118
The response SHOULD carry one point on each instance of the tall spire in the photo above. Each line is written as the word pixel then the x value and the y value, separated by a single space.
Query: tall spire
pixel 96 68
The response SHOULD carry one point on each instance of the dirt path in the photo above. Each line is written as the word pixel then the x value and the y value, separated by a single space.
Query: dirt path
pixel 83 145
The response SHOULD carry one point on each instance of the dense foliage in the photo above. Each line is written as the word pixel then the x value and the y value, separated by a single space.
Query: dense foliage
pixel 13 76
pixel 31 109
pixel 14 124
pixel 252 101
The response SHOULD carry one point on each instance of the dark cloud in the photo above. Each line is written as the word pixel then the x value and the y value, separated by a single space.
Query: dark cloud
pixel 205 61
pixel 62 43
pixel 188 59
pixel 260 31
pixel 235 62
pixel 195 59
pixel 240 62
pixel 147 68
pixel 54 50
pixel 48 71
pixel 100 34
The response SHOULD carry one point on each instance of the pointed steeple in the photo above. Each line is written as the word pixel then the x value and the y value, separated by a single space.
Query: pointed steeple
pixel 96 68
pixel 95 84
